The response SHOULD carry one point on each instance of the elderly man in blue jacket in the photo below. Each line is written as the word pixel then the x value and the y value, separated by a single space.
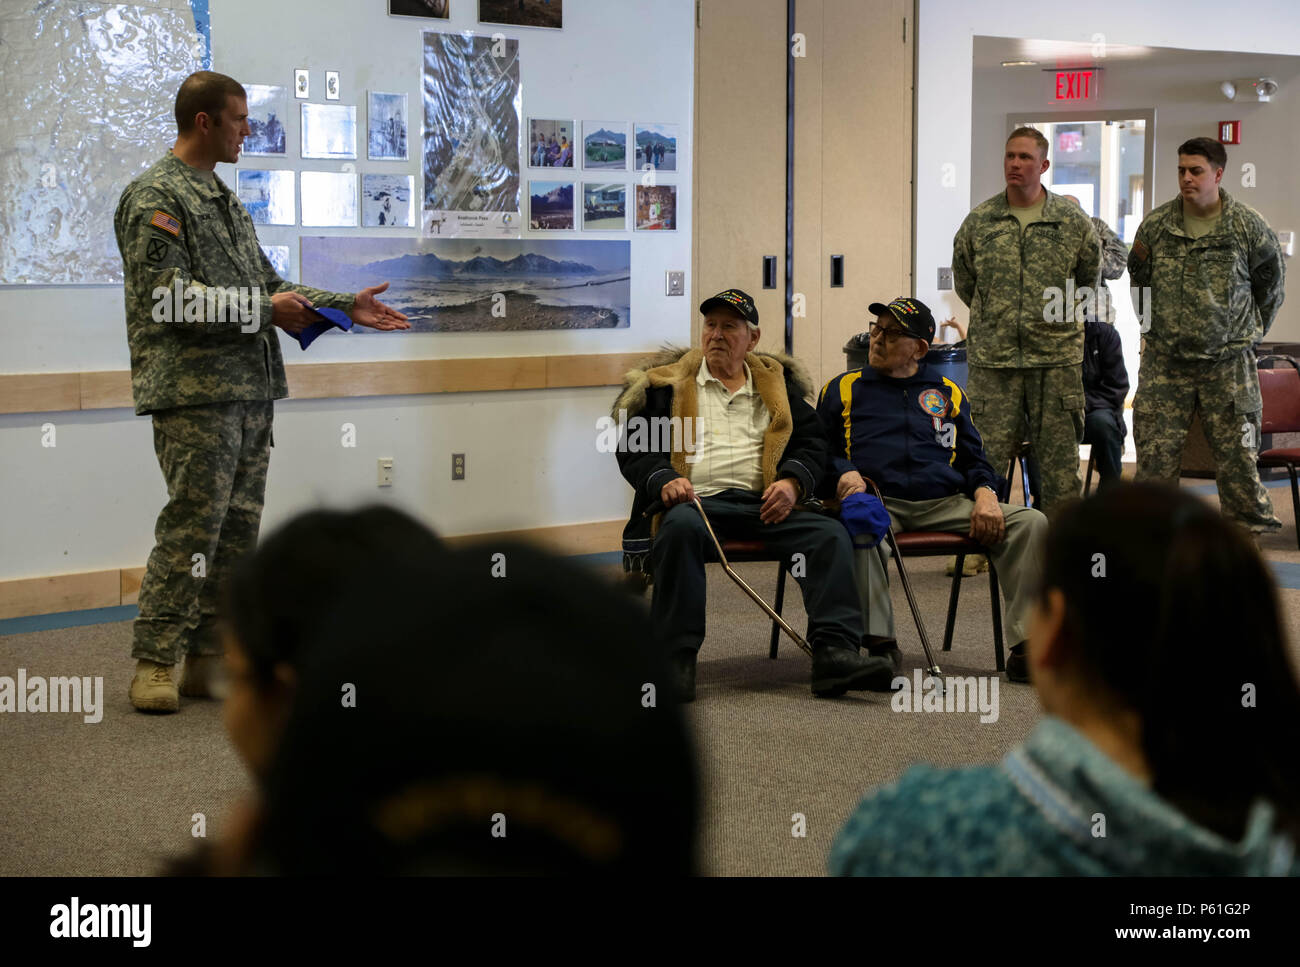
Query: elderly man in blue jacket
pixel 909 429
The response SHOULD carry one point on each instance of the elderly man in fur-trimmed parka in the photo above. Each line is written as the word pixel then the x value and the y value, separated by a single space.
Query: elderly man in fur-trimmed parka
pixel 733 427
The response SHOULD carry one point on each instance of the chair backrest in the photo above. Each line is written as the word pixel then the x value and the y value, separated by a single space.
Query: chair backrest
pixel 1280 390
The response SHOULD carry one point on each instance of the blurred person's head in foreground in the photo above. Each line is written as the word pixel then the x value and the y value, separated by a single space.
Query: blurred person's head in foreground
pixel 1158 635
pixel 281 598
pixel 494 709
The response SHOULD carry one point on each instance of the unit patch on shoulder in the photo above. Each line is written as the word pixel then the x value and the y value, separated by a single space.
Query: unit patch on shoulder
pixel 156 250
pixel 933 402
pixel 164 221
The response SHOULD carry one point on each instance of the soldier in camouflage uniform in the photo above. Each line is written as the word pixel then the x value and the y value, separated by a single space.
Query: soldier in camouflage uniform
pixel 1215 275
pixel 202 304
pixel 1020 261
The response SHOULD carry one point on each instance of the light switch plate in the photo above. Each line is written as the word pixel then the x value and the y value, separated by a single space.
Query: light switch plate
pixel 677 283
pixel 945 277
pixel 1287 241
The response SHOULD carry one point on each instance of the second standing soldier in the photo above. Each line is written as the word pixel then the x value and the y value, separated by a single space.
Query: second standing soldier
pixel 1215 275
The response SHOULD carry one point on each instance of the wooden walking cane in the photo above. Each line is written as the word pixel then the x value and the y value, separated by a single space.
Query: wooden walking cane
pixel 933 668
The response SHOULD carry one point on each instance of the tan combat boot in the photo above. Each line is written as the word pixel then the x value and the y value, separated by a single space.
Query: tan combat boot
pixel 973 564
pixel 203 676
pixel 152 689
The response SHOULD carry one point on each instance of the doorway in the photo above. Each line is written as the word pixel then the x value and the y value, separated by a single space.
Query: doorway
pixel 1105 159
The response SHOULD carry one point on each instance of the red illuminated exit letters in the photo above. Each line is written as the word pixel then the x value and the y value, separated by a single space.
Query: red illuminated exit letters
pixel 1077 85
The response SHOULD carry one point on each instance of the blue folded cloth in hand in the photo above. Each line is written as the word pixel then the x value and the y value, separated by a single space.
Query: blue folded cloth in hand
pixel 329 318
pixel 865 518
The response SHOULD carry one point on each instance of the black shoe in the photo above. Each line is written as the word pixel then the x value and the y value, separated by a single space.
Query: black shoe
pixel 836 670
pixel 683 663
pixel 882 647
pixel 1018 665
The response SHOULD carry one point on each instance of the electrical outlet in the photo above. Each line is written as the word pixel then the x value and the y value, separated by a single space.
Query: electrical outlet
pixel 945 277
pixel 458 466
pixel 385 471
pixel 676 283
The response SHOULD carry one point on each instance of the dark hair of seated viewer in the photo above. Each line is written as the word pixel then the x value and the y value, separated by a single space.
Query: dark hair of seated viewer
pixel 1184 628
pixel 500 723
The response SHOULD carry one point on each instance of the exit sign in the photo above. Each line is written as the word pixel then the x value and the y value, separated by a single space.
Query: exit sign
pixel 1077 85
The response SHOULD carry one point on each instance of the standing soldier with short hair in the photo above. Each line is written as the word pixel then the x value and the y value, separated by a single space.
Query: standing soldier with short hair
pixel 207 374
pixel 1017 258
pixel 1215 274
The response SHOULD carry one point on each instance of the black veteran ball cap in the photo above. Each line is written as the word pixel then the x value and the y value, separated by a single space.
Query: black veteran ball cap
pixel 742 302
pixel 915 317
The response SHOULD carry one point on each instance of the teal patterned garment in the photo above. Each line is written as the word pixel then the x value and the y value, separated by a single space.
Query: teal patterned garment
pixel 1035 814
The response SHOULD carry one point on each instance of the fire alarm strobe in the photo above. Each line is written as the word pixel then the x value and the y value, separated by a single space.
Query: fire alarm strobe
pixel 1230 132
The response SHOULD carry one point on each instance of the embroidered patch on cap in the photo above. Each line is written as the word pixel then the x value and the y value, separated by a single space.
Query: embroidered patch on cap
pixel 164 221
pixel 933 402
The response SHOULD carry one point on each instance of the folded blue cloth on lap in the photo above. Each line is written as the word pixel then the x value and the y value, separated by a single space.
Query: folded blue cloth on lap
pixel 865 518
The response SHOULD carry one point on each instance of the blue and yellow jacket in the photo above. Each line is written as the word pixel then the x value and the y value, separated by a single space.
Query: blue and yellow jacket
pixel 913 437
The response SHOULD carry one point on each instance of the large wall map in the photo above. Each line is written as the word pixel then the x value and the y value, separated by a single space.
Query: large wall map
pixel 89 90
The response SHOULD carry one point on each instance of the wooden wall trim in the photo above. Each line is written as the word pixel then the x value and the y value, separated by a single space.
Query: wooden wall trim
pixel 111 389
pixel 50 594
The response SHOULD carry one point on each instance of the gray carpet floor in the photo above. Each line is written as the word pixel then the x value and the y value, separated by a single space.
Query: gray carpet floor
pixel 121 796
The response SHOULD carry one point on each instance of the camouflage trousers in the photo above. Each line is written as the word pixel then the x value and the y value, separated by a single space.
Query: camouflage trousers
pixel 1044 405
pixel 1227 395
pixel 214 458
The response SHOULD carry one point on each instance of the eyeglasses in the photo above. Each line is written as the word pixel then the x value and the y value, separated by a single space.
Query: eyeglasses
pixel 887 333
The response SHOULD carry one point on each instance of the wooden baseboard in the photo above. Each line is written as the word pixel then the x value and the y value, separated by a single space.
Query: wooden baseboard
pixel 111 389
pixel 569 540
pixel 53 593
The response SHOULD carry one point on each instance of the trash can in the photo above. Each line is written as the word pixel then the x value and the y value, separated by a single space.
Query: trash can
pixel 949 361
pixel 855 351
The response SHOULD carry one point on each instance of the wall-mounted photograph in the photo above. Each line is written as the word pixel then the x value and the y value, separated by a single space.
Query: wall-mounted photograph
pixel 267 107
pixel 456 285
pixel 471 135
pixel 550 143
pixel 522 13
pixel 656 208
pixel 329 131
pixel 386 126
pixel 656 147
pixel 329 199
pixel 429 9
pixel 550 205
pixel 604 207
pixel 268 195
pixel 388 201
pixel 604 145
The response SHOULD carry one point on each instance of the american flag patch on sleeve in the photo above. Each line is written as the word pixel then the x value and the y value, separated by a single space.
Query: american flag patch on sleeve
pixel 164 221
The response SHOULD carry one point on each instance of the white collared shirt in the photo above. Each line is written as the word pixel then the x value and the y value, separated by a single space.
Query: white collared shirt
pixel 729 435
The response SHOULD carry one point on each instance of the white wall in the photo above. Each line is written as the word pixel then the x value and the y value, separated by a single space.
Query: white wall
pixel 91 502
pixel 945 32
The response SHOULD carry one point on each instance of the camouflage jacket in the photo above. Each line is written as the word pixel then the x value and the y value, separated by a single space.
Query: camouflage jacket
pixel 1211 297
pixel 1009 277
pixel 189 251
pixel 1114 259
